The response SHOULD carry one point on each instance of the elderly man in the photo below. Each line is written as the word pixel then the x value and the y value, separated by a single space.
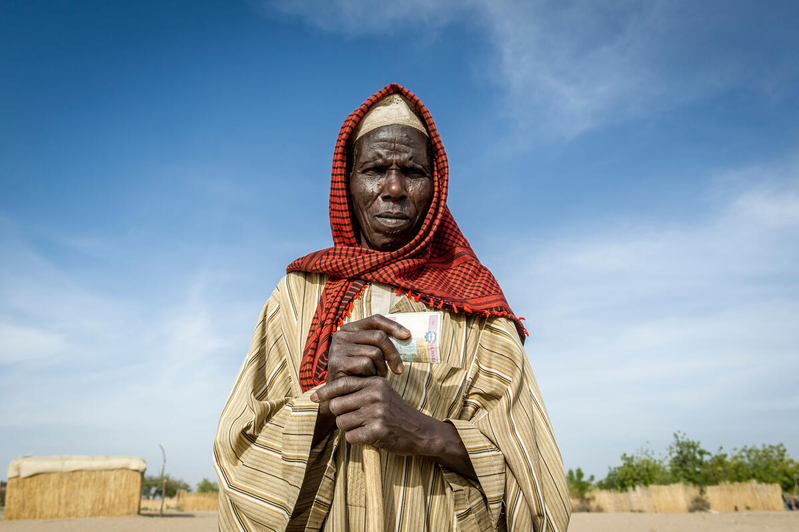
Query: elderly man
pixel 465 440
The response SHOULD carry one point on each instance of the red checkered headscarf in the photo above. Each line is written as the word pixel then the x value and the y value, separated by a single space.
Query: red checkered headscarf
pixel 437 266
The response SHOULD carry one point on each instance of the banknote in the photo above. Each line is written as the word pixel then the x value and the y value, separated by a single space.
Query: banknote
pixel 425 329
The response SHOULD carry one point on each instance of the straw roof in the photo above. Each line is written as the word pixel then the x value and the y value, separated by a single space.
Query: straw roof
pixel 35 465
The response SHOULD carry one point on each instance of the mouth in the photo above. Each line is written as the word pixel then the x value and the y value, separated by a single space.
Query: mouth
pixel 393 216
pixel 393 219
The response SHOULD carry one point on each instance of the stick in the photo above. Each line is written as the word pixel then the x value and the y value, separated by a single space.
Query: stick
pixel 374 488
pixel 163 481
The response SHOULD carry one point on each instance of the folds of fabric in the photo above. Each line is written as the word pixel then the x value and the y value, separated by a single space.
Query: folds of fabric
pixel 272 479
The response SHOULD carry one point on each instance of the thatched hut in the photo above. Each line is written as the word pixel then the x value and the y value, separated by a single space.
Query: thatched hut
pixel 73 486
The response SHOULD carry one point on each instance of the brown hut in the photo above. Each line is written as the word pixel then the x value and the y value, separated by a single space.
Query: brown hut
pixel 73 486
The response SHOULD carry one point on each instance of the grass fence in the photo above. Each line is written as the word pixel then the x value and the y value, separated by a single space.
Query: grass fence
pixel 677 498
pixel 74 494
pixel 197 501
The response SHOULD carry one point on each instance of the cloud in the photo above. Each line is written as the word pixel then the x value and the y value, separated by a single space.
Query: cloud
pixel 27 343
pixel 115 372
pixel 363 17
pixel 642 330
pixel 566 68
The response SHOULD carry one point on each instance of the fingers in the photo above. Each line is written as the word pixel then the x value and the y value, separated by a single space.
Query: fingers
pixel 342 386
pixel 371 338
pixel 349 421
pixel 360 359
pixel 386 352
pixel 379 322
pixel 361 435
pixel 368 410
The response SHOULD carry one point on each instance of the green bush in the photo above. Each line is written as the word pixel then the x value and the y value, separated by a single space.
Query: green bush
pixel 639 469
pixel 151 487
pixel 206 486
pixel 687 461
pixel 769 464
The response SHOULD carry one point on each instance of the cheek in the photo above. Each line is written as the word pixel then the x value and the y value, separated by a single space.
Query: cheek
pixel 361 195
pixel 423 195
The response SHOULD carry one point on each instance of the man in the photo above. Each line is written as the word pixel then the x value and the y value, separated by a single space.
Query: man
pixel 465 443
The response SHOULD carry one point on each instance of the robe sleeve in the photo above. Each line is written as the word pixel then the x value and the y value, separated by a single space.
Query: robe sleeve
pixel 505 428
pixel 263 443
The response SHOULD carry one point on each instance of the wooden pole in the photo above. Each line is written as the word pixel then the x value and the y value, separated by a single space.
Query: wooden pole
pixel 373 476
pixel 163 481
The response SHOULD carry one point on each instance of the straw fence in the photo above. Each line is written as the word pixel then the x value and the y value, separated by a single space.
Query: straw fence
pixel 676 498
pixel 197 501
pixel 154 505
pixel 74 494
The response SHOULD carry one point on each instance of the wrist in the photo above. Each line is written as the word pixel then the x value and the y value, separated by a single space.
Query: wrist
pixel 437 442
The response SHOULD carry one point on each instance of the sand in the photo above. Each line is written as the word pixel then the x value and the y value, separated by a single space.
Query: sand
pixel 173 521
pixel 618 522
pixel 697 522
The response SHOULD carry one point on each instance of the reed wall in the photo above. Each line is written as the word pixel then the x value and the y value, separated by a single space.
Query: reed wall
pixel 74 494
pixel 197 501
pixel 677 498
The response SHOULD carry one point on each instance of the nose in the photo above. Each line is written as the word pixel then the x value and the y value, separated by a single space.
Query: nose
pixel 394 187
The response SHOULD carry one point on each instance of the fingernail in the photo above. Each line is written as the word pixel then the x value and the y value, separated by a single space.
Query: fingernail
pixel 314 397
pixel 401 367
pixel 406 332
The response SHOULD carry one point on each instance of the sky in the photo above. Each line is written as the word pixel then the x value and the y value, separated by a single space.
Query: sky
pixel 627 170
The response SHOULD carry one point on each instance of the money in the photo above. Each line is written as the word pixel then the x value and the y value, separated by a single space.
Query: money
pixel 425 330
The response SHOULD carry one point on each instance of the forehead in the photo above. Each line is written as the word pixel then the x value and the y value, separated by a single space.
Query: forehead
pixel 394 139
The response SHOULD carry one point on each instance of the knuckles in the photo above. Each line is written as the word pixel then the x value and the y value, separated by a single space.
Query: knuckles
pixel 353 438
pixel 367 418
pixel 347 327
pixel 379 336
pixel 335 407
pixel 344 424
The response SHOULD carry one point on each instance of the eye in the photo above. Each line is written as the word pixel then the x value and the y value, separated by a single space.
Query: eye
pixel 414 173
pixel 373 171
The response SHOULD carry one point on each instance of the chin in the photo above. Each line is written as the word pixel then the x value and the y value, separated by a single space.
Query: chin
pixel 390 239
pixel 390 244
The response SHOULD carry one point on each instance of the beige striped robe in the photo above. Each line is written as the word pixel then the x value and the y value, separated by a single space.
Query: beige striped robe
pixel 271 478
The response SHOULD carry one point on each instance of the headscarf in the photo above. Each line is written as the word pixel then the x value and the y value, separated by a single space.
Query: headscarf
pixel 437 267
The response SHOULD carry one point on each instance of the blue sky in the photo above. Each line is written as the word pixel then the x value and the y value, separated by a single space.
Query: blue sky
pixel 627 170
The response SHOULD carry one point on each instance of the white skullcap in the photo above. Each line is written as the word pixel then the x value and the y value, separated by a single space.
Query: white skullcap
pixel 389 111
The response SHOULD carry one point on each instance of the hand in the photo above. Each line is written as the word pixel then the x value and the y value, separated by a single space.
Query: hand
pixel 369 410
pixel 363 348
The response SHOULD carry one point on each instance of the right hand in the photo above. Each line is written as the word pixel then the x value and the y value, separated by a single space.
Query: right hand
pixel 363 349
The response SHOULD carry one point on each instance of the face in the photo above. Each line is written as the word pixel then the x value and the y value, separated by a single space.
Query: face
pixel 391 185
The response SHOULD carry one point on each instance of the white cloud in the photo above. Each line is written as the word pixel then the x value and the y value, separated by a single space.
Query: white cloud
pixel 27 343
pixel 115 373
pixel 364 17
pixel 565 67
pixel 641 331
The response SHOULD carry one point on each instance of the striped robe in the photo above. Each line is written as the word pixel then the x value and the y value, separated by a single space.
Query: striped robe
pixel 271 478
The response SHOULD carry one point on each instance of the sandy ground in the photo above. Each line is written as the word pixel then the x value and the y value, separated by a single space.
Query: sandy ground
pixel 172 521
pixel 620 522
pixel 727 522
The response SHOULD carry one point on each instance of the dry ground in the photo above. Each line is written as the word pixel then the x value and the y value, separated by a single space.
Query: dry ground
pixel 172 521
pixel 618 522
pixel 697 522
